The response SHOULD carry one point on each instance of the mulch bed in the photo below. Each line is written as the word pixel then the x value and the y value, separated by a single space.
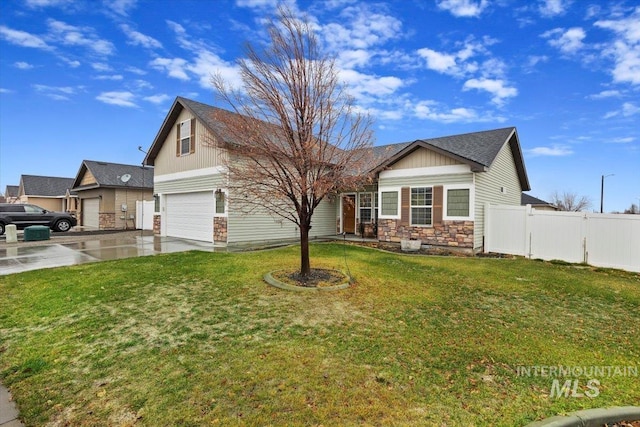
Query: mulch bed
pixel 394 247
pixel 624 424
pixel 319 277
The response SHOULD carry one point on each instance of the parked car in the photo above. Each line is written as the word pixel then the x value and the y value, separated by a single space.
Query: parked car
pixel 25 215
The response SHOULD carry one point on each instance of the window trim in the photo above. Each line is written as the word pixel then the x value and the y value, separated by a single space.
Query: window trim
pixel 396 190
pixel 226 204
pixel 472 198
pixel 188 124
pixel 411 206
pixel 373 208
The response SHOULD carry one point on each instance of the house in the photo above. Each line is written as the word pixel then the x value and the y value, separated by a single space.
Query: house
pixel 108 192
pixel 429 189
pixel 49 192
pixel 11 193
pixel 536 203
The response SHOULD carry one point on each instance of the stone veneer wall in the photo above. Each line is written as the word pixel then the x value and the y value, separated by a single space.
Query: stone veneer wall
pixel 449 233
pixel 368 228
pixel 220 229
pixel 106 221
pixel 156 224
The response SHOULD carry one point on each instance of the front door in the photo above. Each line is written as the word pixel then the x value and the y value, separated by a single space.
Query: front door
pixel 349 214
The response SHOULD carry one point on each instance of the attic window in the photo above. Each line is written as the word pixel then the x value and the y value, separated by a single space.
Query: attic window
pixel 185 137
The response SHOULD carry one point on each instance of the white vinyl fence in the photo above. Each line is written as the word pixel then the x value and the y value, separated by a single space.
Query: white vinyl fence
pixel 144 214
pixel 603 240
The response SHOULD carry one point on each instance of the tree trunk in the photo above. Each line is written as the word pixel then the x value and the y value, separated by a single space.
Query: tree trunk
pixel 305 265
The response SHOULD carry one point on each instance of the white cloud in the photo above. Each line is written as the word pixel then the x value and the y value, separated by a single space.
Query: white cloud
pixel 121 7
pixel 21 65
pixel 58 93
pixel 463 8
pixel 121 99
pixel 441 62
pixel 136 38
pixel 136 70
pixel 360 27
pixel 142 84
pixel 114 77
pixel 569 41
pixel 606 94
pixel 47 3
pixel 621 140
pixel 353 58
pixel 79 36
pixel 208 64
pixel 429 110
pixel 459 63
pixel 258 4
pixel 101 67
pixel 157 99
pixel 367 88
pixel 174 67
pixel 551 8
pixel 630 109
pixel 495 87
pixel 22 38
pixel 625 50
pixel 553 151
pixel 4 90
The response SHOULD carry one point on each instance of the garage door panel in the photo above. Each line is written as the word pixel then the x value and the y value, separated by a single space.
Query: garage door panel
pixel 91 213
pixel 190 215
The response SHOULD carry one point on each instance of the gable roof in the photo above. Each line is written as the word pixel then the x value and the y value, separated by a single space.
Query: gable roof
pixel 11 191
pixel 527 199
pixel 203 112
pixel 108 175
pixel 476 149
pixel 44 186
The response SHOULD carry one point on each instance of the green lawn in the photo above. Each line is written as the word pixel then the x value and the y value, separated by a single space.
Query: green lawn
pixel 198 339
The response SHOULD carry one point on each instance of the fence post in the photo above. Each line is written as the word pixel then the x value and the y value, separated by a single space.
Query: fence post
pixel 527 230
pixel 487 218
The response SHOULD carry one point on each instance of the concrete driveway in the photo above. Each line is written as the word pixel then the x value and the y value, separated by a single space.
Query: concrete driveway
pixel 70 249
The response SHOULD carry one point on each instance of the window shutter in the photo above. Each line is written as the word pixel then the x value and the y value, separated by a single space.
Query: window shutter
pixel 437 204
pixel 178 140
pixel 192 140
pixel 405 205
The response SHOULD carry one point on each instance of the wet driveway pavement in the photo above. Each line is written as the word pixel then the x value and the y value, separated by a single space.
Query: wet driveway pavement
pixel 19 257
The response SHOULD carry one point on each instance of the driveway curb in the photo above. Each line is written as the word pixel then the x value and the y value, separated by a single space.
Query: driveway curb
pixel 8 412
pixel 591 417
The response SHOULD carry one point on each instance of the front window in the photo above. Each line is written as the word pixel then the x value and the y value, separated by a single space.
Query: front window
pixel 458 202
pixel 156 203
pixel 389 203
pixel 220 202
pixel 185 137
pixel 368 207
pixel 421 205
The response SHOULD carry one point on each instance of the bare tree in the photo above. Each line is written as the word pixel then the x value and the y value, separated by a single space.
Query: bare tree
pixel 633 209
pixel 569 201
pixel 296 137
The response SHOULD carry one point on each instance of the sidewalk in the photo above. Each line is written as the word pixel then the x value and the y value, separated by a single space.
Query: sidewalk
pixel 8 411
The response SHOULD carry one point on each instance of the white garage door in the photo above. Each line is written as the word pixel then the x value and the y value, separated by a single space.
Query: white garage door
pixel 91 213
pixel 190 215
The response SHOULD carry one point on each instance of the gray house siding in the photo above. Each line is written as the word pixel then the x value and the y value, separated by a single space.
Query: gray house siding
pixel 463 178
pixel 499 185
pixel 261 226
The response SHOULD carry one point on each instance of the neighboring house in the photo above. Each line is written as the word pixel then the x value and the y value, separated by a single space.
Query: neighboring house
pixel 11 193
pixel 49 192
pixel 108 193
pixel 536 203
pixel 432 189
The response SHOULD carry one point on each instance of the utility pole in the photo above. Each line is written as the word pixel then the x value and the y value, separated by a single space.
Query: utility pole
pixel 602 192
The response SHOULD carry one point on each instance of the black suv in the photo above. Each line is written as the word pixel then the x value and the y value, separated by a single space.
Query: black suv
pixel 25 215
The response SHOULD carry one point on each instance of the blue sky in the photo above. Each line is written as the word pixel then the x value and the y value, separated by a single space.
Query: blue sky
pixel 94 80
